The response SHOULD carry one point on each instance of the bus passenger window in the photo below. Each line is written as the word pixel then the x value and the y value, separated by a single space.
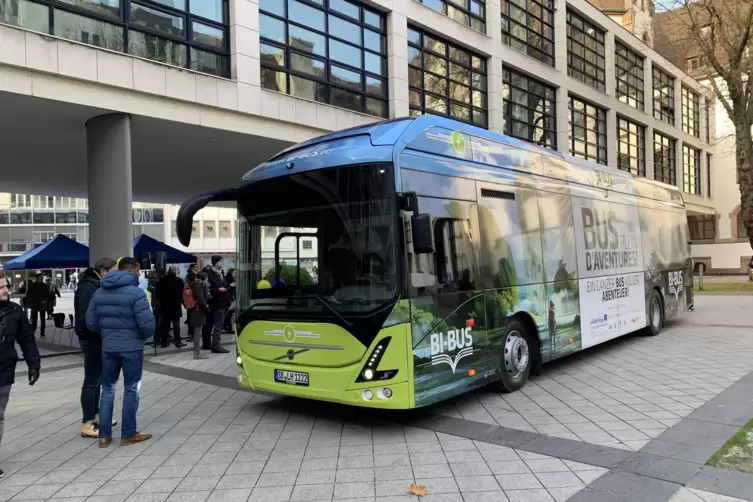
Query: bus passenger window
pixel 454 254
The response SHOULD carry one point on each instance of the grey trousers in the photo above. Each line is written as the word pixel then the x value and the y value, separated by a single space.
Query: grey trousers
pixel 4 396
pixel 219 323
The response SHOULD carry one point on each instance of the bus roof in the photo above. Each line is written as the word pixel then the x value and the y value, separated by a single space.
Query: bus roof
pixel 430 134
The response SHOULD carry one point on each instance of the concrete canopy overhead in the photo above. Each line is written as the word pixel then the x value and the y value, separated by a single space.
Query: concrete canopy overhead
pixel 43 151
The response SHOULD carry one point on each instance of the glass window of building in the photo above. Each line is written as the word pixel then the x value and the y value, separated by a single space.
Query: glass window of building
pixel 528 27
pixel 629 76
pixel 588 131
pixel 664 96
pixel 665 168
pixel 210 230
pixel 708 174
pixel 691 170
pixel 690 113
pixel 468 12
pixel 226 229
pixel 701 227
pixel 445 79
pixel 332 53
pixel 529 109
pixel 631 147
pixel 167 31
pixel 585 52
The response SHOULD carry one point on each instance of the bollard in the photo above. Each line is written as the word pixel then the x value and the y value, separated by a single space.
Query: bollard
pixel 701 268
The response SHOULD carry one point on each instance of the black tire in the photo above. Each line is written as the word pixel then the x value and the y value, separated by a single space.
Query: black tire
pixel 655 314
pixel 516 357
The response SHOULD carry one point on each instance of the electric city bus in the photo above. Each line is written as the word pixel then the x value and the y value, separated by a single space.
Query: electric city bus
pixel 401 263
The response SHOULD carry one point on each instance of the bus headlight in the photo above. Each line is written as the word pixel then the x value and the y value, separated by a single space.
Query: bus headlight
pixel 370 371
pixel 367 395
pixel 238 361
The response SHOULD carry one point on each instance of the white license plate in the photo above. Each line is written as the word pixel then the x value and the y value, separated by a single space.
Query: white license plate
pixel 292 377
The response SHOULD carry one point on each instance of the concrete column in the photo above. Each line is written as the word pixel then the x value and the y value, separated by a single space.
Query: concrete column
pixel 494 67
pixel 563 120
pixel 680 176
pixel 108 173
pixel 649 131
pixel 560 63
pixel 648 106
pixel 678 104
pixel 397 64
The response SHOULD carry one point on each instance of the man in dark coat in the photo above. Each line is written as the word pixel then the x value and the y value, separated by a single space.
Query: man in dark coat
pixel 91 345
pixel 14 328
pixel 219 302
pixel 170 297
pixel 37 296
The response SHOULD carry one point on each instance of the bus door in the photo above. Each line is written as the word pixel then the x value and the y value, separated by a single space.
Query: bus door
pixel 449 342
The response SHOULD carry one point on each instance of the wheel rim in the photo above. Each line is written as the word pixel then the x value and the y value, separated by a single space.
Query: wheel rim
pixel 517 354
pixel 655 313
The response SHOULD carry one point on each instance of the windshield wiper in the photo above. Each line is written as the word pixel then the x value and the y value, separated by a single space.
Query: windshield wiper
pixel 324 302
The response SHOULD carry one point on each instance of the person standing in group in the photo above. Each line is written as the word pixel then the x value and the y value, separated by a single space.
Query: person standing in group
pixel 37 296
pixel 191 271
pixel 170 295
pixel 91 345
pixel 230 280
pixel 206 330
pixel 198 310
pixel 14 328
pixel 120 313
pixel 218 303
pixel 53 296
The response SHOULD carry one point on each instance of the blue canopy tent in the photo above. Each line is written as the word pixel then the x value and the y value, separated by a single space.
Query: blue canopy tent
pixel 145 244
pixel 60 252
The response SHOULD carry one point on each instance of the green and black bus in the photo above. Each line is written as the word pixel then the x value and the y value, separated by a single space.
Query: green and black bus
pixel 402 263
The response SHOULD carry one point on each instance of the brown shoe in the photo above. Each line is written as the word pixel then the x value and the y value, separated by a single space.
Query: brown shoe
pixel 104 442
pixel 136 438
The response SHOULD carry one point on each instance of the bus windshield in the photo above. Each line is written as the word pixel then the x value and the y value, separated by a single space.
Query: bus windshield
pixel 319 242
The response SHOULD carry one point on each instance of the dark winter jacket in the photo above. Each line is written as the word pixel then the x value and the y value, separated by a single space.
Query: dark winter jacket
pixel 88 284
pixel 198 316
pixel 218 299
pixel 15 327
pixel 170 296
pixel 120 313
pixel 37 295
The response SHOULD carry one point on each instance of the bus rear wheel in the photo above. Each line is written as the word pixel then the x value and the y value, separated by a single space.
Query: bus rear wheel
pixel 655 314
pixel 516 357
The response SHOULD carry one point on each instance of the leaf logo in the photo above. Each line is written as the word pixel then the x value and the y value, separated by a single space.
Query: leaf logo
pixel 452 363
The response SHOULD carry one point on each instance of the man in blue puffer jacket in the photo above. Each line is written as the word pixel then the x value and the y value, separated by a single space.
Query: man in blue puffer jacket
pixel 120 312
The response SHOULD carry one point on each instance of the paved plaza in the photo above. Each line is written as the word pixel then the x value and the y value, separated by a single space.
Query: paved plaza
pixel 631 420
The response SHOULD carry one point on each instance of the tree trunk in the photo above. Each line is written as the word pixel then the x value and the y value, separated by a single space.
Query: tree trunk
pixel 744 158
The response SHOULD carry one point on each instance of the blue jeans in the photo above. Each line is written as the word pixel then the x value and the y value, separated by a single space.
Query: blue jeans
pixel 92 347
pixel 132 364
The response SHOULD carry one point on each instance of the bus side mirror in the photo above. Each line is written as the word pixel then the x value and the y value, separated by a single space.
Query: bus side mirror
pixel 184 219
pixel 423 242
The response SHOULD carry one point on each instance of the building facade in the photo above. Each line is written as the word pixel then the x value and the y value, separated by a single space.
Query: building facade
pixel 561 74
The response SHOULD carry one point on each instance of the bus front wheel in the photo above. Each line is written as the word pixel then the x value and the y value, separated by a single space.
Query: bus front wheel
pixel 655 314
pixel 516 357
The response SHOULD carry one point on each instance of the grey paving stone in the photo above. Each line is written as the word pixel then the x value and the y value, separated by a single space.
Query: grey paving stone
pixel 668 469
pixel 355 475
pixel 636 486
pixel 444 497
pixel 602 456
pixel 240 496
pixel 469 484
pixel 315 477
pixel 546 465
pixel 198 483
pixel 596 495
pixel 275 479
pixel 36 492
pixel 195 496
pixel 492 496
pixel 696 432
pixel 171 471
pixel 470 469
pixel 118 487
pixel 230 482
pixel 529 496
pixel 563 494
pixel 313 492
pixel 79 489
pixel 267 494
pixel 697 454
pixel 439 485
pixel 724 482
pixel 508 467
pixel 57 477
pixel 430 471
pixel 395 460
pixel 559 479
pixel 134 473
pixel 158 485
pixel 350 491
pixel 518 481
pixel 22 479
pixel 391 487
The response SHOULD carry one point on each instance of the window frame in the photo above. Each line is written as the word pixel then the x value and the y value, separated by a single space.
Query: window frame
pixel 447 5
pixel 598 38
pixel 550 118
pixel 691 181
pixel 546 19
pixel 600 115
pixel 421 92
pixel 708 174
pixel 634 131
pixel 123 23
pixel 670 146
pixel 330 85
pixel 667 83
pixel 690 103
pixel 701 222
pixel 624 63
